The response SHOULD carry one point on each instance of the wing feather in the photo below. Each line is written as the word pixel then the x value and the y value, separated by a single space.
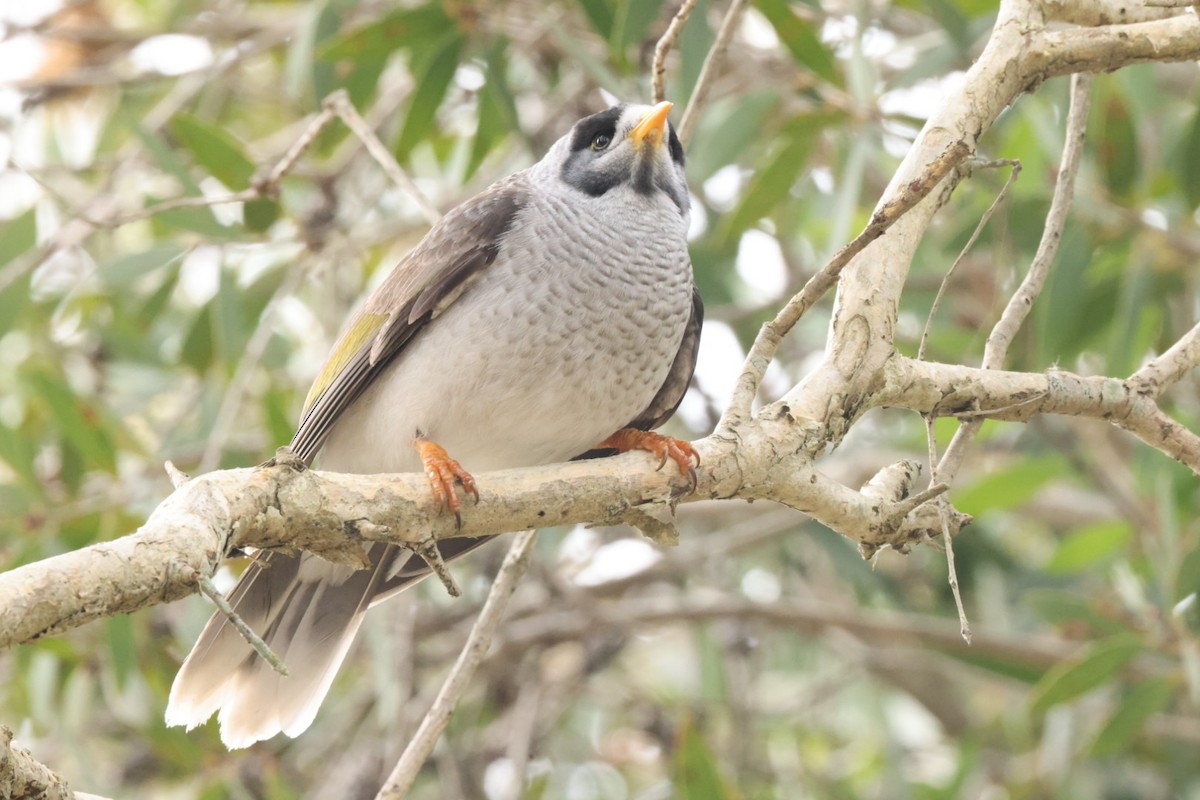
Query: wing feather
pixel 670 395
pixel 433 275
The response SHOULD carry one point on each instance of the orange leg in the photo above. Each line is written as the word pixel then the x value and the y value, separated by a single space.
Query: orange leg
pixel 679 451
pixel 443 472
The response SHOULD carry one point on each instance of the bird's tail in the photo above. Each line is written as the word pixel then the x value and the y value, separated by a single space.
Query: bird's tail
pixel 308 611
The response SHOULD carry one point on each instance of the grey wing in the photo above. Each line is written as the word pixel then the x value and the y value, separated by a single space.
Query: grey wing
pixel 680 376
pixel 431 277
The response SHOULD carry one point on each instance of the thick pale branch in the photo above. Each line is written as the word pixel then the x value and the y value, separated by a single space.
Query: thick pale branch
pixel 22 775
pixel 1165 371
pixel 1103 49
pixel 942 389
pixel 1103 12
pixel 332 514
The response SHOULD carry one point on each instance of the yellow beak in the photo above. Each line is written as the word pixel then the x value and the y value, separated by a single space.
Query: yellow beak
pixel 650 128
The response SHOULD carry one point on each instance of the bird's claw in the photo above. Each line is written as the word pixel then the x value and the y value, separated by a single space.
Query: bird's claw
pixel 443 472
pixel 665 447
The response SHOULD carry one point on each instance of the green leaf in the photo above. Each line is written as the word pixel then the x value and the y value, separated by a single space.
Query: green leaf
pixel 197 219
pixel 727 125
pixel 1187 579
pixel 227 328
pixel 123 646
pixel 694 43
pixel 1099 665
pixel 632 22
pixel 1009 487
pixel 1085 546
pixel 167 159
pixel 215 150
pixel 18 451
pixel 694 769
pixel 773 180
pixel 260 214
pixel 1116 143
pixel 497 113
pixel 17 237
pixel 801 39
pixel 432 79
pixel 197 351
pixel 122 272
pixel 393 31
pixel 1140 703
pixel 77 420
pixel 1191 162
pixel 600 14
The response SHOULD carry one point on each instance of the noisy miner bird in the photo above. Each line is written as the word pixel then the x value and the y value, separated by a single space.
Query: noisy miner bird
pixel 551 314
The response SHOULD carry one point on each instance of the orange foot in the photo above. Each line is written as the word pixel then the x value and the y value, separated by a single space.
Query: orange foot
pixel 679 451
pixel 443 472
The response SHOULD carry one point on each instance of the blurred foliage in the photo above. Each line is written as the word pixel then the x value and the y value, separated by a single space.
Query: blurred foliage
pixel 192 335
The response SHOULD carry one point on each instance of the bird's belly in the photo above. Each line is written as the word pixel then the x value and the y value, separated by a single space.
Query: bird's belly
pixel 513 375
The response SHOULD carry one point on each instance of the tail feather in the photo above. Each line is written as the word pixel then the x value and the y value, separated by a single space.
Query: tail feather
pixel 308 611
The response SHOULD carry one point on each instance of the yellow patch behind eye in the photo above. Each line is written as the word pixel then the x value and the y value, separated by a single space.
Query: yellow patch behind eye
pixel 351 342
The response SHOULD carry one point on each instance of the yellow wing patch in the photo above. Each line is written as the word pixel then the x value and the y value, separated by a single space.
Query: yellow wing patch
pixel 364 327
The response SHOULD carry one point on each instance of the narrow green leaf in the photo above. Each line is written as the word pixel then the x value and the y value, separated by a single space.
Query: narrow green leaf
pixel 801 39
pixel 393 31
pixel 228 330
pixel 128 269
pixel 1009 487
pixel 197 219
pixel 17 236
pixel 1191 162
pixel 258 215
pixel 726 127
pixel 1074 678
pixel 18 451
pixel 1116 144
pixel 694 43
pixel 1085 546
pixel 432 82
pixel 214 149
pixel 1187 579
pixel 496 119
pixel 197 351
pixel 123 647
pixel 694 771
pixel 773 180
pixel 1140 703
pixel 632 22
pixel 168 160
pixel 78 421
pixel 600 14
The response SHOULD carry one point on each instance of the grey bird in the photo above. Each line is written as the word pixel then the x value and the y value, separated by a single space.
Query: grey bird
pixel 551 314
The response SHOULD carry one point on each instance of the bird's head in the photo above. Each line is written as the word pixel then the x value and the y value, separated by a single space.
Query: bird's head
pixel 625 146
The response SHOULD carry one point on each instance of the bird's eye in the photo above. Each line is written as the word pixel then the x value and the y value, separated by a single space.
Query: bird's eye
pixel 601 141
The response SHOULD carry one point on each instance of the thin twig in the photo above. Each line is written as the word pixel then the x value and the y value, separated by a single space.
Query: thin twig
pixel 708 71
pixel 983 221
pixel 1021 303
pixel 665 43
pixel 209 590
pixel 339 101
pixel 434 722
pixel 770 336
